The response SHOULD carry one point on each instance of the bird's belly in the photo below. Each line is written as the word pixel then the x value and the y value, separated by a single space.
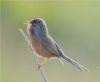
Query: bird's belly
pixel 44 53
pixel 40 50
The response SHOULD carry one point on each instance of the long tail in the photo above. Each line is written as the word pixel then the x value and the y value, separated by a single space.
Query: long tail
pixel 76 64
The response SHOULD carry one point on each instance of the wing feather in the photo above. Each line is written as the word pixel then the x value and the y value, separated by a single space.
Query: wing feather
pixel 50 45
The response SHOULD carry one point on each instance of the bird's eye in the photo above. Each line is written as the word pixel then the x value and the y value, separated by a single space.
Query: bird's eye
pixel 34 25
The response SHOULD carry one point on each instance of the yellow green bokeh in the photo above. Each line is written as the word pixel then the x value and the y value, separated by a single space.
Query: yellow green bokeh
pixel 74 24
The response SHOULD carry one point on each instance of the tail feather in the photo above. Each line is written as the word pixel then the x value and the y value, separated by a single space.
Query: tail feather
pixel 76 64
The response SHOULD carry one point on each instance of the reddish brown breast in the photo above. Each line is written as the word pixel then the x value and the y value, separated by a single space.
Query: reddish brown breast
pixel 37 45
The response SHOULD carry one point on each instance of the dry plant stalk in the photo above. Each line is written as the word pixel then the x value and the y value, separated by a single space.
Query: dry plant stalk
pixel 41 70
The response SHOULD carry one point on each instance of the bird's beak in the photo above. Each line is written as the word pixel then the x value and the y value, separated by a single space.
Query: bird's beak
pixel 29 25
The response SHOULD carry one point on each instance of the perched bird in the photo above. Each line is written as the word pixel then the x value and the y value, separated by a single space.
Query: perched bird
pixel 44 45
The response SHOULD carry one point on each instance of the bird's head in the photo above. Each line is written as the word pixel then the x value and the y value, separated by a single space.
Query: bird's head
pixel 38 24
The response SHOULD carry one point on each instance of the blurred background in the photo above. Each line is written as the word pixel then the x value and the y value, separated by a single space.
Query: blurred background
pixel 74 24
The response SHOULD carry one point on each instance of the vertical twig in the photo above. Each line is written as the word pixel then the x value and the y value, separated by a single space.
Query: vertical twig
pixel 41 70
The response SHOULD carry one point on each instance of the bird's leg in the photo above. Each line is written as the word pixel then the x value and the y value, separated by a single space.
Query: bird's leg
pixel 45 60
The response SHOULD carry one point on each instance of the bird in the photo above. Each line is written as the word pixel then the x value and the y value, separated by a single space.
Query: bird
pixel 45 46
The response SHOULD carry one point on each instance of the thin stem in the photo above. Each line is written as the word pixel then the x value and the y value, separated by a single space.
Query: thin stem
pixel 41 70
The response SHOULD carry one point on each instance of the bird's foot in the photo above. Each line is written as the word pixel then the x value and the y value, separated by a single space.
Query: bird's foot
pixel 43 63
pixel 39 66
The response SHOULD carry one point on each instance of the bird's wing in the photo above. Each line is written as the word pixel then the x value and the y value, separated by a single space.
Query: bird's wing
pixel 50 45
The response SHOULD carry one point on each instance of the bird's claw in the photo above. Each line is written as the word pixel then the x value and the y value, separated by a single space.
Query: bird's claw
pixel 39 66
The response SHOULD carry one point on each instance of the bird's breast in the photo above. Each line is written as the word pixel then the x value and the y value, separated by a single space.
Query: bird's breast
pixel 40 50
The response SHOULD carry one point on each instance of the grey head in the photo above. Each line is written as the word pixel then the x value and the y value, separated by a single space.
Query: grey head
pixel 39 24
pixel 39 28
